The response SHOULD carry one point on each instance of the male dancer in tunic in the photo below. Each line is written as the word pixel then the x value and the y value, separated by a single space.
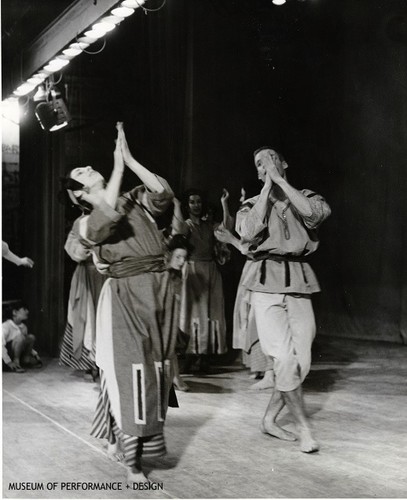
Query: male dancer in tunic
pixel 279 225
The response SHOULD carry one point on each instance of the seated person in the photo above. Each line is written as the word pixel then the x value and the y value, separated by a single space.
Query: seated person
pixel 17 342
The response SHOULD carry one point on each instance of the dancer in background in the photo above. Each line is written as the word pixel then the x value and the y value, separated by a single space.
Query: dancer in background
pixel 137 321
pixel 204 308
pixel 178 252
pixel 245 336
pixel 78 344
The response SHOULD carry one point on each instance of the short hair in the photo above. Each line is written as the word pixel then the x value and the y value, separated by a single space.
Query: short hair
pixel 264 148
pixel 180 241
pixel 14 306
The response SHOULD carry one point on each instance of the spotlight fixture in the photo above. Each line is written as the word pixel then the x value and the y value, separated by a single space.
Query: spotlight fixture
pixel 278 2
pixel 40 95
pixel 52 114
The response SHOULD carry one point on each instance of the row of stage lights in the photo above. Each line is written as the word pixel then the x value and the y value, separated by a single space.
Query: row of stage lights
pixel 103 26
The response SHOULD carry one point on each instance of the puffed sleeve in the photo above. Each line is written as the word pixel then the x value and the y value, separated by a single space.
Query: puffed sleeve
pixel 74 247
pixel 320 209
pixel 159 202
pixel 102 222
pixel 248 222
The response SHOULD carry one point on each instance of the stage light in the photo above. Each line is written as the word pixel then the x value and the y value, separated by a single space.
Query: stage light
pixel 24 89
pixel 53 115
pixel 103 26
pixel 56 64
pixel 122 11
pixel 10 110
pixel 35 80
pixel 278 2
pixel 132 4
pixel 72 51
pixel 112 19
pixel 40 95
pixel 94 34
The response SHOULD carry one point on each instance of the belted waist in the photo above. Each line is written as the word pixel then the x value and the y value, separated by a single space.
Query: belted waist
pixel 287 258
pixel 276 257
pixel 133 266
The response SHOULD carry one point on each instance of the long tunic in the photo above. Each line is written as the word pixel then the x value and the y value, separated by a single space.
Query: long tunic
pixel 137 313
pixel 204 307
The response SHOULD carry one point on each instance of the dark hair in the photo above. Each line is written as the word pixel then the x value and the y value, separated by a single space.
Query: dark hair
pixel 67 183
pixel 179 241
pixel 264 148
pixel 185 201
pixel 14 306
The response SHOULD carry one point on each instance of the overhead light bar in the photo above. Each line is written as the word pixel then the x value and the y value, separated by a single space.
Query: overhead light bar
pixel 278 2
pixel 105 24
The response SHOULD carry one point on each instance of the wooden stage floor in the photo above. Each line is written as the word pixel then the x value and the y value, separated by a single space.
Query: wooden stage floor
pixel 356 395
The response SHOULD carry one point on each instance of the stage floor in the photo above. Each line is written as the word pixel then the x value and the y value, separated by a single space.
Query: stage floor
pixel 356 396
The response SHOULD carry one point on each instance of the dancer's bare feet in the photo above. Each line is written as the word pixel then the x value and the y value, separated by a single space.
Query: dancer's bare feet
pixel 180 385
pixel 307 442
pixel 276 431
pixel 136 475
pixel 114 453
pixel 267 382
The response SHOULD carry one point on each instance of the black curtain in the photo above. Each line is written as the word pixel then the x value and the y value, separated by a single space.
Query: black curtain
pixel 200 84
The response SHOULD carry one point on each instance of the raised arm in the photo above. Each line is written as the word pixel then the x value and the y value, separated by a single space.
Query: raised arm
pixel 115 181
pixel 296 197
pixel 149 179
pixel 251 217
pixel 228 220
pixel 178 224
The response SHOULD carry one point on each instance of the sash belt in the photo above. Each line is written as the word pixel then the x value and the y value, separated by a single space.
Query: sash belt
pixel 133 266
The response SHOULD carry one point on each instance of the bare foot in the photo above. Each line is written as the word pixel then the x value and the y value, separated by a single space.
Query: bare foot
pixel 180 385
pixel 136 476
pixel 276 431
pixel 267 382
pixel 307 442
pixel 114 452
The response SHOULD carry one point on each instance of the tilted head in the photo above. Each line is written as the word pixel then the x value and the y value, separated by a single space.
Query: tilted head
pixel 262 154
pixel 179 250
pixel 88 177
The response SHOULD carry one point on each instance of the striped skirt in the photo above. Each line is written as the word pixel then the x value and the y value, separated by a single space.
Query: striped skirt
pixel 133 447
pixel 85 362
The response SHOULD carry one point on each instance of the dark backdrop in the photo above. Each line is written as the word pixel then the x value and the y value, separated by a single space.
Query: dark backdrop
pixel 200 84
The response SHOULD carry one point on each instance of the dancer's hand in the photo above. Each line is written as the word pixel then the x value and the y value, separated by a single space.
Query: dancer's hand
pixel 118 155
pixel 26 262
pixel 123 143
pixel 269 162
pixel 225 196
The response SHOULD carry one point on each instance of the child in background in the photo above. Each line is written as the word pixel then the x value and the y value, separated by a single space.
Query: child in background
pixel 179 250
pixel 17 342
